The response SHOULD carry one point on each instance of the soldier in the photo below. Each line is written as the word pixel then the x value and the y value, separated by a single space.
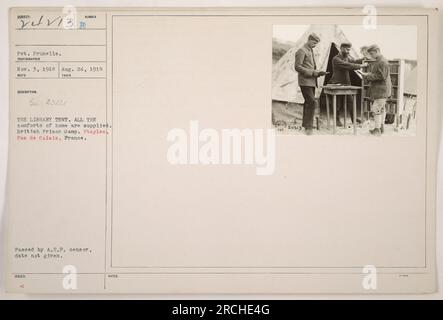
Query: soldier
pixel 307 79
pixel 379 78
pixel 342 63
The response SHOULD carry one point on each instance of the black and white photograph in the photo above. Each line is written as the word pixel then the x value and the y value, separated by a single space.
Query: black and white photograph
pixel 344 80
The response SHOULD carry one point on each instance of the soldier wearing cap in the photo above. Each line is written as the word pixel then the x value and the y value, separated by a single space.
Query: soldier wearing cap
pixel 342 63
pixel 307 79
pixel 379 78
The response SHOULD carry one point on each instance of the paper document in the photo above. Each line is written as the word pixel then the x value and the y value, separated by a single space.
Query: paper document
pixel 212 151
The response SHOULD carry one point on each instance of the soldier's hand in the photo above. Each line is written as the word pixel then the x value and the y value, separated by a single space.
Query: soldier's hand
pixel 322 73
pixel 364 64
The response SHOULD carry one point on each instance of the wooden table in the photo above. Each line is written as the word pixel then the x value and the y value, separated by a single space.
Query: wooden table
pixel 345 91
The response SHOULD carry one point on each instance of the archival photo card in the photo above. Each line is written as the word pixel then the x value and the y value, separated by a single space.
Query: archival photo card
pixel 224 151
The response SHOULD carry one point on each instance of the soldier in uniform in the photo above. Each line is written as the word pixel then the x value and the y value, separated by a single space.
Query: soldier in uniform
pixel 307 79
pixel 342 63
pixel 379 79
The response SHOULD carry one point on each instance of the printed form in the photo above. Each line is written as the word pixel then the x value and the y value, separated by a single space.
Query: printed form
pixel 143 158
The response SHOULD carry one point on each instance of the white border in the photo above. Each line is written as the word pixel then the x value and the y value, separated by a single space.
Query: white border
pixel 4 102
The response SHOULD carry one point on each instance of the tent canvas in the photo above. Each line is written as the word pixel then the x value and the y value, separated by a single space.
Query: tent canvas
pixel 411 82
pixel 284 77
pixel 410 97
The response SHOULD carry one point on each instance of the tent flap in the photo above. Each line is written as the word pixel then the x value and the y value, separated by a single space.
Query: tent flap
pixel 284 77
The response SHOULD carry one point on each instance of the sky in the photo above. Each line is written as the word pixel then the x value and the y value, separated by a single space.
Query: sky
pixel 395 41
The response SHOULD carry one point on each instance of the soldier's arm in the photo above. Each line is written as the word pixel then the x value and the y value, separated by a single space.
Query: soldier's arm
pixel 358 61
pixel 343 64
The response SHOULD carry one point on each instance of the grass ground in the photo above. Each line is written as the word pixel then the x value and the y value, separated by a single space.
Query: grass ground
pixel 287 119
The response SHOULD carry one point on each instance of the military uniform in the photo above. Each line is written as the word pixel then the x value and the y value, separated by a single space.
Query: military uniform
pixel 307 80
pixel 341 66
pixel 379 78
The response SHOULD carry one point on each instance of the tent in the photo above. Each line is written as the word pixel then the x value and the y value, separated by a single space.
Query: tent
pixel 284 77
pixel 411 82
pixel 410 95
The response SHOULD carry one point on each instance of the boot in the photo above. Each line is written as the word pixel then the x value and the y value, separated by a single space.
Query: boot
pixel 375 132
pixel 338 123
